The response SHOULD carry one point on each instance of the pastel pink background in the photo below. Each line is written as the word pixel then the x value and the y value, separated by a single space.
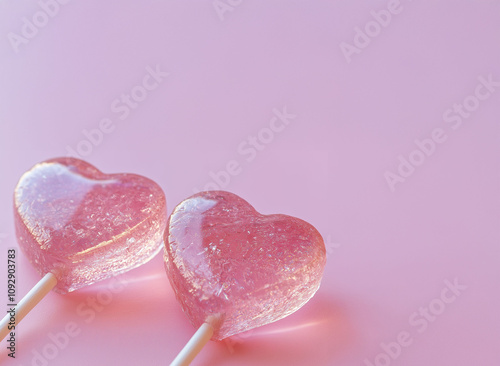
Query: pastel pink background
pixel 389 252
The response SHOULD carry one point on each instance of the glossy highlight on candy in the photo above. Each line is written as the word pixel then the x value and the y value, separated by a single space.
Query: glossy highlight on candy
pixel 226 261
pixel 84 225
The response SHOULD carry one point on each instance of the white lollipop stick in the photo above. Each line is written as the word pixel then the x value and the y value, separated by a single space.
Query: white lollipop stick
pixel 194 346
pixel 32 298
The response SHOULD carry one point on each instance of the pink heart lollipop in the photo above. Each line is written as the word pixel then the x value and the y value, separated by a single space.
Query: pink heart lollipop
pixel 78 225
pixel 234 269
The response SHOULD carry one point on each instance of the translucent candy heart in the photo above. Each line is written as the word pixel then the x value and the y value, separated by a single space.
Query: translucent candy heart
pixel 226 260
pixel 86 226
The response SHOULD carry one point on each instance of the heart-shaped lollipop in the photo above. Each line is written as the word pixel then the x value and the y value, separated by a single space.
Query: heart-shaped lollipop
pixel 78 226
pixel 84 225
pixel 227 261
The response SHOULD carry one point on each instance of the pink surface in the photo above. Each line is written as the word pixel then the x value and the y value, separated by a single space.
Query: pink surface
pixel 384 137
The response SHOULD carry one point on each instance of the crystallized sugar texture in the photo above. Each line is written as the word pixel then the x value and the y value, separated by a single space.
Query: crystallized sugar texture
pixel 84 225
pixel 224 259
